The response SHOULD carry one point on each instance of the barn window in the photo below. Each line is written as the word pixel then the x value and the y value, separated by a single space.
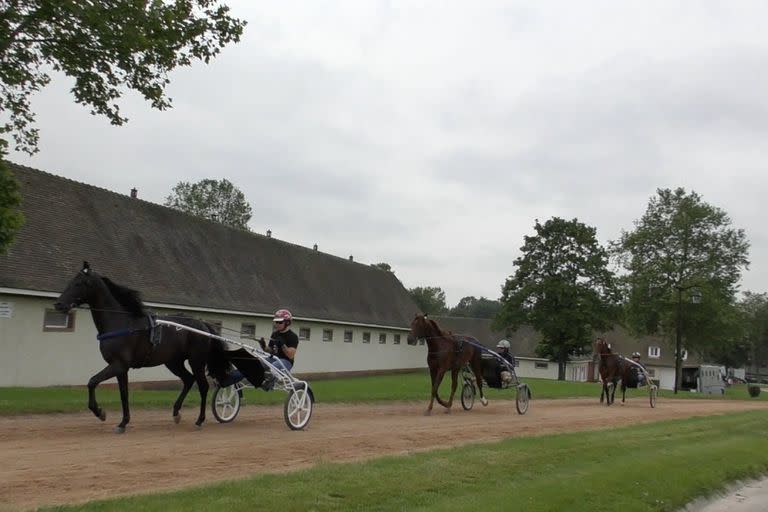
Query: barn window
pixel 247 330
pixel 541 366
pixel 654 352
pixel 327 334
pixel 396 339
pixel 366 337
pixel 304 334
pixel 347 336
pixel 382 338
pixel 58 321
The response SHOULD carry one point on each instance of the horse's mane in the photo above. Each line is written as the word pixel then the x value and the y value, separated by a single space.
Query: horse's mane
pixel 436 327
pixel 128 298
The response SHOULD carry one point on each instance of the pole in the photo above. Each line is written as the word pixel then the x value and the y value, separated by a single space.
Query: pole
pixel 678 335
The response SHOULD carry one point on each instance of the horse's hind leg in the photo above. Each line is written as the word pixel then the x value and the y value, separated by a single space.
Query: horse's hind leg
pixel 122 382
pixel 478 371
pixel 202 386
pixel 178 369
pixel 113 370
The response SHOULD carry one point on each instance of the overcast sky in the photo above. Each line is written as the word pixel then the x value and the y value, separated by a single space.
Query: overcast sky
pixel 430 135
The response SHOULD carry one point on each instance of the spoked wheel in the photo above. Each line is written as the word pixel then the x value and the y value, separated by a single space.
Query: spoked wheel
pixel 467 395
pixel 653 393
pixel 522 399
pixel 298 408
pixel 225 403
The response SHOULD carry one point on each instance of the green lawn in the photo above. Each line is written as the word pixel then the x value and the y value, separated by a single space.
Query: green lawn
pixel 654 467
pixel 412 386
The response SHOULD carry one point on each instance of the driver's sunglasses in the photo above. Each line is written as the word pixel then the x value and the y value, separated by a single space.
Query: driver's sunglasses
pixel 279 322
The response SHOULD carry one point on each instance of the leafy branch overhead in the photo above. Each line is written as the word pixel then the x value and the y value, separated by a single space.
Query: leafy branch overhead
pixel 106 47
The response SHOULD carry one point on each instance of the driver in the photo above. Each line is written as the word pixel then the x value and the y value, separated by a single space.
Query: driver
pixel 639 374
pixel 282 346
pixel 502 348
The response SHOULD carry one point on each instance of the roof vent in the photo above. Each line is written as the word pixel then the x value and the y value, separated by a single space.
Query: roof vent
pixel 269 233
pixel 350 258
pixel 134 193
pixel 314 247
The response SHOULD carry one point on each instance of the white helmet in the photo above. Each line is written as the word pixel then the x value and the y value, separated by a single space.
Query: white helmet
pixel 635 354
pixel 503 344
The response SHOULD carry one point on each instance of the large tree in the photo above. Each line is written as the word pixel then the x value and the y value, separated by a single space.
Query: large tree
pixel 11 218
pixel 430 299
pixel 107 47
pixel 472 307
pixel 215 200
pixel 683 261
pixel 754 309
pixel 562 287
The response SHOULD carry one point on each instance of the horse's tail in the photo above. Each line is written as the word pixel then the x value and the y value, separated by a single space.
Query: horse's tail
pixel 218 364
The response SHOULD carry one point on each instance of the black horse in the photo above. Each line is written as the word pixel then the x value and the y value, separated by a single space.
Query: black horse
pixel 128 338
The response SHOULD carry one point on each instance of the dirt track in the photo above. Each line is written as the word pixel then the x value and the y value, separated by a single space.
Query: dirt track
pixel 58 459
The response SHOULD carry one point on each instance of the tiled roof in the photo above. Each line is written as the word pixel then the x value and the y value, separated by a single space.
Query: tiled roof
pixel 175 258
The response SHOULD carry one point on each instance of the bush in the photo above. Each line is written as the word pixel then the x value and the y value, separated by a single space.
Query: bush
pixel 754 391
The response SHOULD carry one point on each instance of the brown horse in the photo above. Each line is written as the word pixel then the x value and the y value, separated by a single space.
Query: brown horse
pixel 614 368
pixel 446 352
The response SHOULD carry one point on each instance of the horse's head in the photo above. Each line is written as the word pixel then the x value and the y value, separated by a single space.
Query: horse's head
pixel 422 328
pixel 601 347
pixel 79 290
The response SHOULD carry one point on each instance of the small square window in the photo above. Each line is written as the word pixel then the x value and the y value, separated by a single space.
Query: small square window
pixel 396 339
pixel 248 330
pixel 58 321
pixel 654 352
pixel 366 337
pixel 421 341
pixel 347 336
pixel 327 334
pixel 304 334
pixel 382 338
pixel 541 366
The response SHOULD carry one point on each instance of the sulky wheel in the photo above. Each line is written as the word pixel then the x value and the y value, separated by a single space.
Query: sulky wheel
pixel 225 403
pixel 522 399
pixel 298 407
pixel 467 395
pixel 653 392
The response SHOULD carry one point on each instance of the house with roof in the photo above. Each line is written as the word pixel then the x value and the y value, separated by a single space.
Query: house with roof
pixel 350 317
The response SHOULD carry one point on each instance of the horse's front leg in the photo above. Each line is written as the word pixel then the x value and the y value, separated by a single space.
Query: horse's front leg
pixel 435 387
pixel 454 383
pixel 623 392
pixel 122 382
pixel 202 386
pixel 113 370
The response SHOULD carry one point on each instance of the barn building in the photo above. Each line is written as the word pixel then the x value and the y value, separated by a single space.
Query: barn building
pixel 350 317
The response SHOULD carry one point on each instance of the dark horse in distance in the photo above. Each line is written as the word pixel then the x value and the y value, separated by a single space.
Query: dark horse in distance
pixel 128 338
pixel 612 368
pixel 446 352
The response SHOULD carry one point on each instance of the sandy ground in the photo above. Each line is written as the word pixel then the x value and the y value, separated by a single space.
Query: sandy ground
pixel 72 458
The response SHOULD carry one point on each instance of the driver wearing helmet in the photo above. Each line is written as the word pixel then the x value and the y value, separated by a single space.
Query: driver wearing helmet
pixel 640 375
pixel 502 348
pixel 283 344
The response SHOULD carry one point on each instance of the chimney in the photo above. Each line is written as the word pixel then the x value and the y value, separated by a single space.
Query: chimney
pixel 269 233
pixel 314 247
pixel 350 257
pixel 134 193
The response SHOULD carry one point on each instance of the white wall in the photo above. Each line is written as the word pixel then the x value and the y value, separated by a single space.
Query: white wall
pixel 31 357
pixel 527 368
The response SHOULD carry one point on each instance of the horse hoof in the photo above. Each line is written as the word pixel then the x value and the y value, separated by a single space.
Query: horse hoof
pixel 177 418
pixel 484 401
pixel 427 412
pixel 199 426
pixel 102 415
pixel 119 430
pixel 447 411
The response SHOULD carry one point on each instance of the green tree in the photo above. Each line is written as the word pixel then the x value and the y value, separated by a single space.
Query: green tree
pixel 383 266
pixel 11 218
pixel 754 308
pixel 215 200
pixel 473 307
pixel 106 47
pixel 683 263
pixel 430 299
pixel 562 287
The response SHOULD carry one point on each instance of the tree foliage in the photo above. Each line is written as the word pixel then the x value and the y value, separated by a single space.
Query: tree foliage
pixel 683 263
pixel 473 307
pixel 754 309
pixel 562 287
pixel 11 219
pixel 107 47
pixel 215 200
pixel 430 299
pixel 383 266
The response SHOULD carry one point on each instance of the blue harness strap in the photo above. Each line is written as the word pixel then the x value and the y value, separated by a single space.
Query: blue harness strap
pixel 155 332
